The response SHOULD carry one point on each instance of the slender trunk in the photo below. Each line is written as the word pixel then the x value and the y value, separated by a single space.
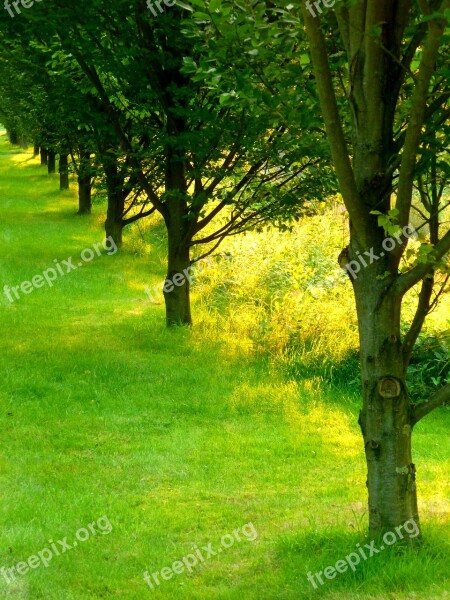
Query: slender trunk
pixel 385 418
pixel 176 288
pixel 63 172
pixel 84 195
pixel 51 163
pixel 44 157
pixel 36 150
pixel 177 297
pixel 114 213
pixel 84 184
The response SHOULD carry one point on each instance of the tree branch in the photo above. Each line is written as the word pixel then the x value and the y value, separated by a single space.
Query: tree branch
pixel 422 310
pixel 439 398
pixel 93 76
pixel 138 216
pixel 330 111
pixel 407 280
pixel 417 116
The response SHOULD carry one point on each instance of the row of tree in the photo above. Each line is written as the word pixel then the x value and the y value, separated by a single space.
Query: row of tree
pixel 116 90
pixel 223 116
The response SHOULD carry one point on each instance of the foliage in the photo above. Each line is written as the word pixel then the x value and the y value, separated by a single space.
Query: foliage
pixel 430 365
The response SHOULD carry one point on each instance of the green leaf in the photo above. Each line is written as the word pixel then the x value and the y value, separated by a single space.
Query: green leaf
pixel 184 5
pixel 201 15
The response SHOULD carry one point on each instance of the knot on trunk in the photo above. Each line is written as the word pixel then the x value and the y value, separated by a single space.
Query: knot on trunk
pixel 389 387
pixel 373 450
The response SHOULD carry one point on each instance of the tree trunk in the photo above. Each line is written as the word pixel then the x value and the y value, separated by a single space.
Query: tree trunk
pixel 84 185
pixel 84 195
pixel 116 205
pixel 51 163
pixel 63 172
pixel 385 418
pixel 176 288
pixel 177 297
pixel 44 157
pixel 36 150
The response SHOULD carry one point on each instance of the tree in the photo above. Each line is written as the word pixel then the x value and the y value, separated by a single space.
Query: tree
pixel 194 152
pixel 33 94
pixel 393 62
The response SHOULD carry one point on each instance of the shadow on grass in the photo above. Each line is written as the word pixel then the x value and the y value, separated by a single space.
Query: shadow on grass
pixel 376 573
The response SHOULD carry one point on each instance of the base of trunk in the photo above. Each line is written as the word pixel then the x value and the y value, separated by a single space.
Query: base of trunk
pixel 114 231
pixel 177 299
pixel 391 474
pixel 63 172
pixel 84 196
pixel 51 163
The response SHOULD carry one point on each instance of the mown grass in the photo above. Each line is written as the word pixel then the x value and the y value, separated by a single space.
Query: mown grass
pixel 178 437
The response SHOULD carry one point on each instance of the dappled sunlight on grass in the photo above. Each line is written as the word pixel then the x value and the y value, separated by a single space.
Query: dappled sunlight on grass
pixel 182 435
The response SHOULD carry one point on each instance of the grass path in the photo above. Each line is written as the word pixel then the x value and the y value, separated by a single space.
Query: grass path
pixel 172 437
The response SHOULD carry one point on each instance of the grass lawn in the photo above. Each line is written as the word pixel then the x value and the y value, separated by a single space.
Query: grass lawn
pixel 175 438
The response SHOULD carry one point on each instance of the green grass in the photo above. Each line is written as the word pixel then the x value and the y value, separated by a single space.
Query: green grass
pixel 178 437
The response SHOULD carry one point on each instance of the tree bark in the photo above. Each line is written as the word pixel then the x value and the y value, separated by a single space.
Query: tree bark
pixel 116 202
pixel 63 172
pixel 44 157
pixel 177 297
pixel 36 150
pixel 84 195
pixel 179 270
pixel 51 163
pixel 84 185
pixel 386 415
